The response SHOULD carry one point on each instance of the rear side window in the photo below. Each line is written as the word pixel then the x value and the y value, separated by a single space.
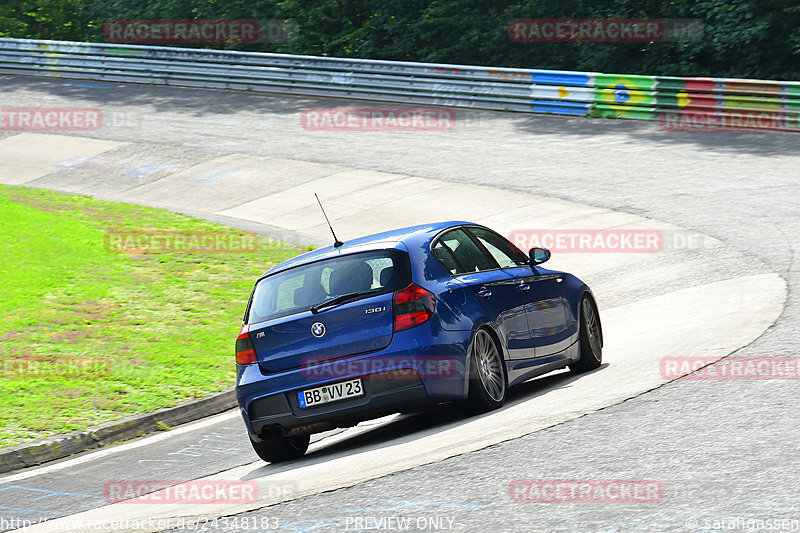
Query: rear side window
pixel 297 289
pixel 445 256
pixel 460 255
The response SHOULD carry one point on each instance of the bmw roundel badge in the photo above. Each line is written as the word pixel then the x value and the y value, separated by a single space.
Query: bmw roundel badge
pixel 318 329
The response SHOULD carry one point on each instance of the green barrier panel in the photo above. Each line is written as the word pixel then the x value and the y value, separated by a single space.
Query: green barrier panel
pixel 686 100
pixel 632 112
pixel 622 81
pixel 625 96
pixel 744 103
pixel 793 106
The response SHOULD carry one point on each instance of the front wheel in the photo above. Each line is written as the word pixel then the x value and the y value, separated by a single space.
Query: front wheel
pixel 487 376
pixel 591 338
pixel 277 449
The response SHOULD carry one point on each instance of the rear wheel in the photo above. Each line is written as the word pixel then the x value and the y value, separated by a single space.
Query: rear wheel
pixel 277 449
pixel 487 376
pixel 591 338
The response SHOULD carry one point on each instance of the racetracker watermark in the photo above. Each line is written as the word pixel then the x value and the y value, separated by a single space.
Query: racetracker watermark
pixel 540 30
pixel 217 31
pixel 585 491
pixel 62 368
pixel 195 524
pixel 391 367
pixel 181 242
pixel 377 119
pixel 186 492
pixel 729 121
pixel 590 240
pixel 622 241
pixel 731 368
pixel 50 119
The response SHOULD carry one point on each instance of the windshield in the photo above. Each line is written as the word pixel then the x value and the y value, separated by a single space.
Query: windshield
pixel 300 288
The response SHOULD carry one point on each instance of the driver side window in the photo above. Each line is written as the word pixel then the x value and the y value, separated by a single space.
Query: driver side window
pixel 506 254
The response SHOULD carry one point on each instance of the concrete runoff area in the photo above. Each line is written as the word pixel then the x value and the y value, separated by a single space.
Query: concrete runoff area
pixel 28 156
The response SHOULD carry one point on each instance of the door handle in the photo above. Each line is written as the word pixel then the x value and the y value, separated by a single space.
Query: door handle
pixel 523 286
pixel 484 293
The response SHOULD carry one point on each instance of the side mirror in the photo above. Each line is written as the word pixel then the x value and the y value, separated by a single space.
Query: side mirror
pixel 538 256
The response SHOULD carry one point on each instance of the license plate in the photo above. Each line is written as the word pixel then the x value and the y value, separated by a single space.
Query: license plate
pixel 330 393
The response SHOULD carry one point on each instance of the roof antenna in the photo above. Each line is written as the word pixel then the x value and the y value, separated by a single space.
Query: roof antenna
pixel 336 242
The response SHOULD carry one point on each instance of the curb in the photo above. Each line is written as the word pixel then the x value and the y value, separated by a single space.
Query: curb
pixel 60 446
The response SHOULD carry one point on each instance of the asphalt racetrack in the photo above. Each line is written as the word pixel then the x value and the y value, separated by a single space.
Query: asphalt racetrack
pixel 720 452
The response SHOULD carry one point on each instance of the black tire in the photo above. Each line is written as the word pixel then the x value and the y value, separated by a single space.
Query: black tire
pixel 487 376
pixel 591 338
pixel 277 449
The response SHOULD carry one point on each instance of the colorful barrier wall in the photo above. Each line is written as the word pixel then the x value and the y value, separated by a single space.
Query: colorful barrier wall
pixel 679 103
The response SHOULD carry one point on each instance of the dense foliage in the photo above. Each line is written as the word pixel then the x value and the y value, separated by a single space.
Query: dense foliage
pixel 743 38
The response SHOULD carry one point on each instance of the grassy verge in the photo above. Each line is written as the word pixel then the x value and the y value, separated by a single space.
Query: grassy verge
pixel 98 322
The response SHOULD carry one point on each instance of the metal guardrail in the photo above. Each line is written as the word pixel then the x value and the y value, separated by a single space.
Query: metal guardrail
pixel 718 101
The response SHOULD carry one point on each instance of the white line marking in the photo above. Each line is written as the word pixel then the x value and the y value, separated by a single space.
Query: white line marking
pixel 99 454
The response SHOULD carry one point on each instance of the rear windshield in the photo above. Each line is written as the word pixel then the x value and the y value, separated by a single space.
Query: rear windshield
pixel 302 287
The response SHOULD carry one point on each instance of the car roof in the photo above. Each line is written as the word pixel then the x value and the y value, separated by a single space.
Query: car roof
pixel 397 238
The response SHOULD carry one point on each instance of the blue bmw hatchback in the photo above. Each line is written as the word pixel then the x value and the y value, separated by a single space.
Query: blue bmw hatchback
pixel 400 320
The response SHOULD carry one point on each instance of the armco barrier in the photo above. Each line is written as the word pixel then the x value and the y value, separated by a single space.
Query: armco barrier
pixel 729 102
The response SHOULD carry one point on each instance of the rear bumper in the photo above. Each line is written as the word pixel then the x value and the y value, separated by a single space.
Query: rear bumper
pixel 280 413
pixel 394 379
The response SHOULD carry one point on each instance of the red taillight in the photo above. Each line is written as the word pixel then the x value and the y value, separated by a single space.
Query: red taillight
pixel 412 306
pixel 245 352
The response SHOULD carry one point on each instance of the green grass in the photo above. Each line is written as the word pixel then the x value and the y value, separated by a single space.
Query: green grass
pixel 160 327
